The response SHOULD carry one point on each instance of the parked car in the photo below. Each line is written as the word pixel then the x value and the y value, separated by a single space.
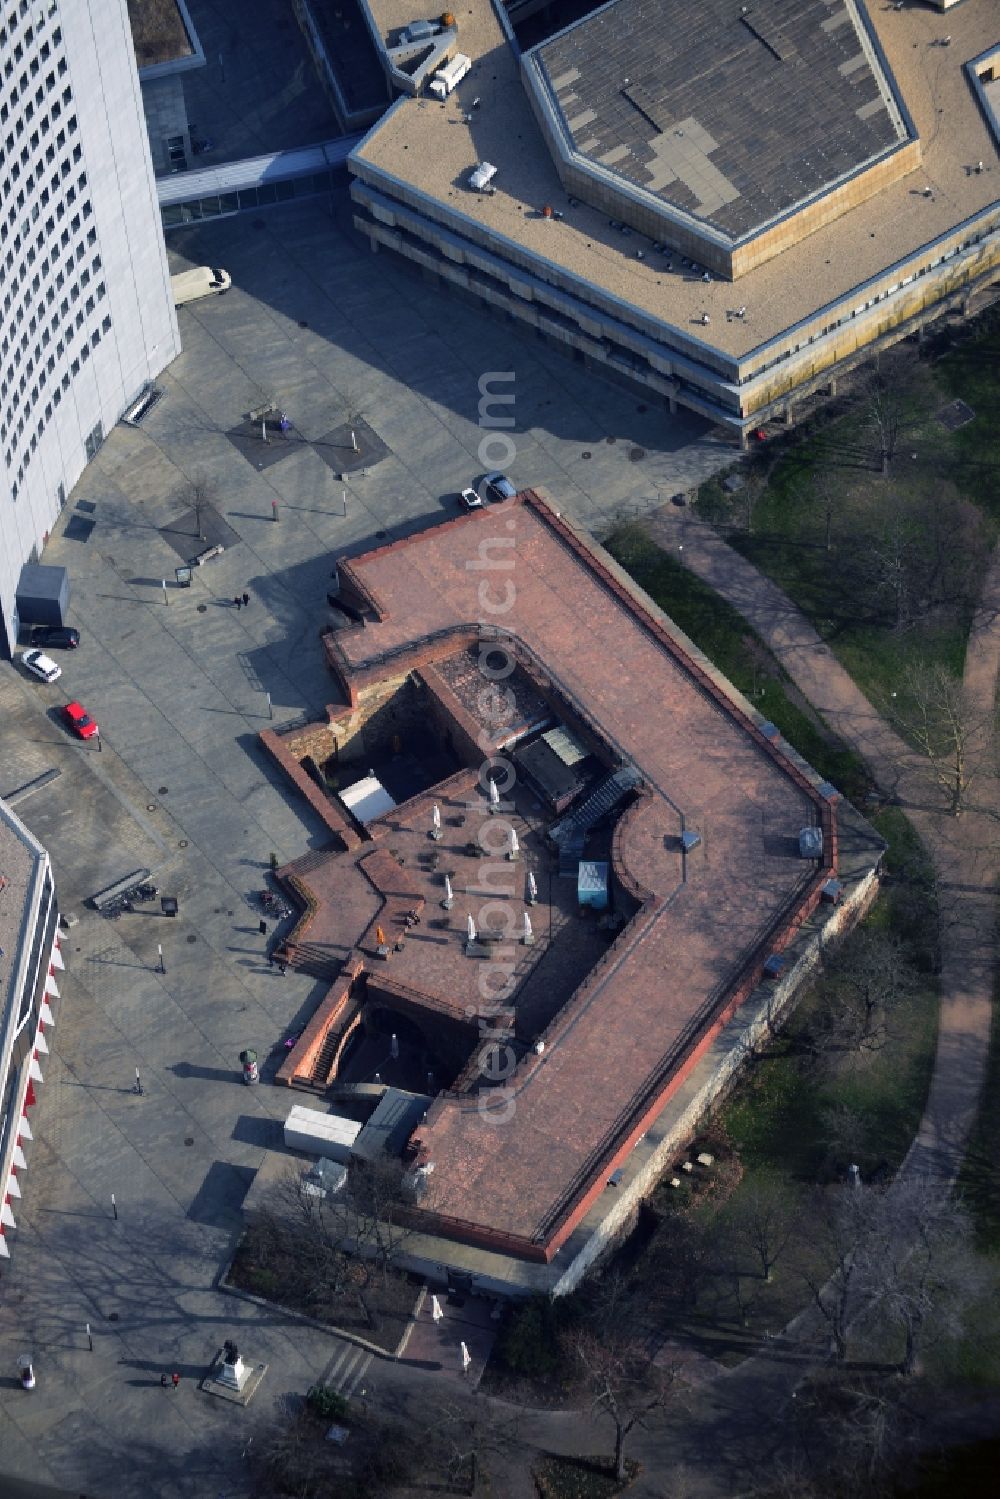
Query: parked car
pixel 203 281
pixel 498 487
pixel 56 637
pixel 41 665
pixel 470 499
pixel 80 721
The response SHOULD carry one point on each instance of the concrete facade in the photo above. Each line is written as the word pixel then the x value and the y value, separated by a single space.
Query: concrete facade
pixel 86 318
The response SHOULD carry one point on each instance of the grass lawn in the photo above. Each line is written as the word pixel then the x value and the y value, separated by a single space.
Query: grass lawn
pixel 720 631
pixel 887 568
pixel 979 1181
pixel 390 1301
pixel 581 1478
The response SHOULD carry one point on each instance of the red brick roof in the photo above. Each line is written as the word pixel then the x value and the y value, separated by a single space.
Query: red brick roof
pixel 629 1035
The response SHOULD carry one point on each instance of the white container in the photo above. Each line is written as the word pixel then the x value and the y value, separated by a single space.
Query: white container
pixel 329 1135
pixel 448 77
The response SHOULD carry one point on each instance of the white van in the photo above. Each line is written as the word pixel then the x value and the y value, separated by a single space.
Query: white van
pixel 201 282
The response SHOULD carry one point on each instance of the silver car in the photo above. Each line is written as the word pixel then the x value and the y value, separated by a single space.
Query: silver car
pixel 498 487
pixel 41 665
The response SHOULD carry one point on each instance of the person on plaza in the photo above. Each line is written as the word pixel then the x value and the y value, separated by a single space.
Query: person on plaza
pixel 164 1381
pixel 262 927
pixel 246 599
pixel 238 601
pixel 176 1380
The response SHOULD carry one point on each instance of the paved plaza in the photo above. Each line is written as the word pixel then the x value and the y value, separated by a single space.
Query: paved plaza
pixel 181 681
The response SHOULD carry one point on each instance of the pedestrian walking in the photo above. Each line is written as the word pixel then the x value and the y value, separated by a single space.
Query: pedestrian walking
pixel 246 599
pixel 238 601
pixel 262 927
pixel 281 969
pixel 164 1382
pixel 176 1380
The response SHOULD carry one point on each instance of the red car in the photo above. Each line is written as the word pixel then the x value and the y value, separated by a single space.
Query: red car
pixel 80 720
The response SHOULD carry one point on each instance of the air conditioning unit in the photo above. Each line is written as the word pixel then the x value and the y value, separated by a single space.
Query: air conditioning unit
pixel 419 31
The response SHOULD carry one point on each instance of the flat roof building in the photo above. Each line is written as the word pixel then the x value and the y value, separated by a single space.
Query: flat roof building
pixel 724 205
pixel 566 1044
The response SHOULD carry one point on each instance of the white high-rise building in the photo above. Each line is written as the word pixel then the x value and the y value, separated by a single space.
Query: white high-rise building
pixel 86 315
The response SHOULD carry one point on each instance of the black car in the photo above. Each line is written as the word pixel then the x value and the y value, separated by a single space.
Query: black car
pixel 56 636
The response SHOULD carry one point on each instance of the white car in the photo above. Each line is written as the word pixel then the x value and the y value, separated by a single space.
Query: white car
pixel 470 499
pixel 41 665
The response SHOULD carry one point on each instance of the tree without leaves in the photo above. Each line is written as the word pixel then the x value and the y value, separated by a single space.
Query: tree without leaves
pixel 679 1263
pixel 891 553
pixel 884 418
pixel 946 723
pixel 623 1383
pixel 848 1437
pixel 334 1246
pixel 920 1272
pixel 470 1437
pixel 827 487
pixel 760 1225
pixel 203 491
pixel 903 1263
pixel 867 980
pixel 836 1224
pixel 845 1134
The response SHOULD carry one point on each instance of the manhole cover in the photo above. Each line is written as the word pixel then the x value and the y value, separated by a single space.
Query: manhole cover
pixel 381 534
pixel 112 1316
pixel 182 843
pixel 636 455
pixel 218 911
pixel 611 441
pixel 303 323
pixel 584 455
pixel 192 937
pixel 150 806
pixel 189 1139
pixel 202 608
pixel 162 790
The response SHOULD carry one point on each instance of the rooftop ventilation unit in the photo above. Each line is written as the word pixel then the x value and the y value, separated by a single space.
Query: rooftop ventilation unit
pixel 418 31
pixel 811 843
